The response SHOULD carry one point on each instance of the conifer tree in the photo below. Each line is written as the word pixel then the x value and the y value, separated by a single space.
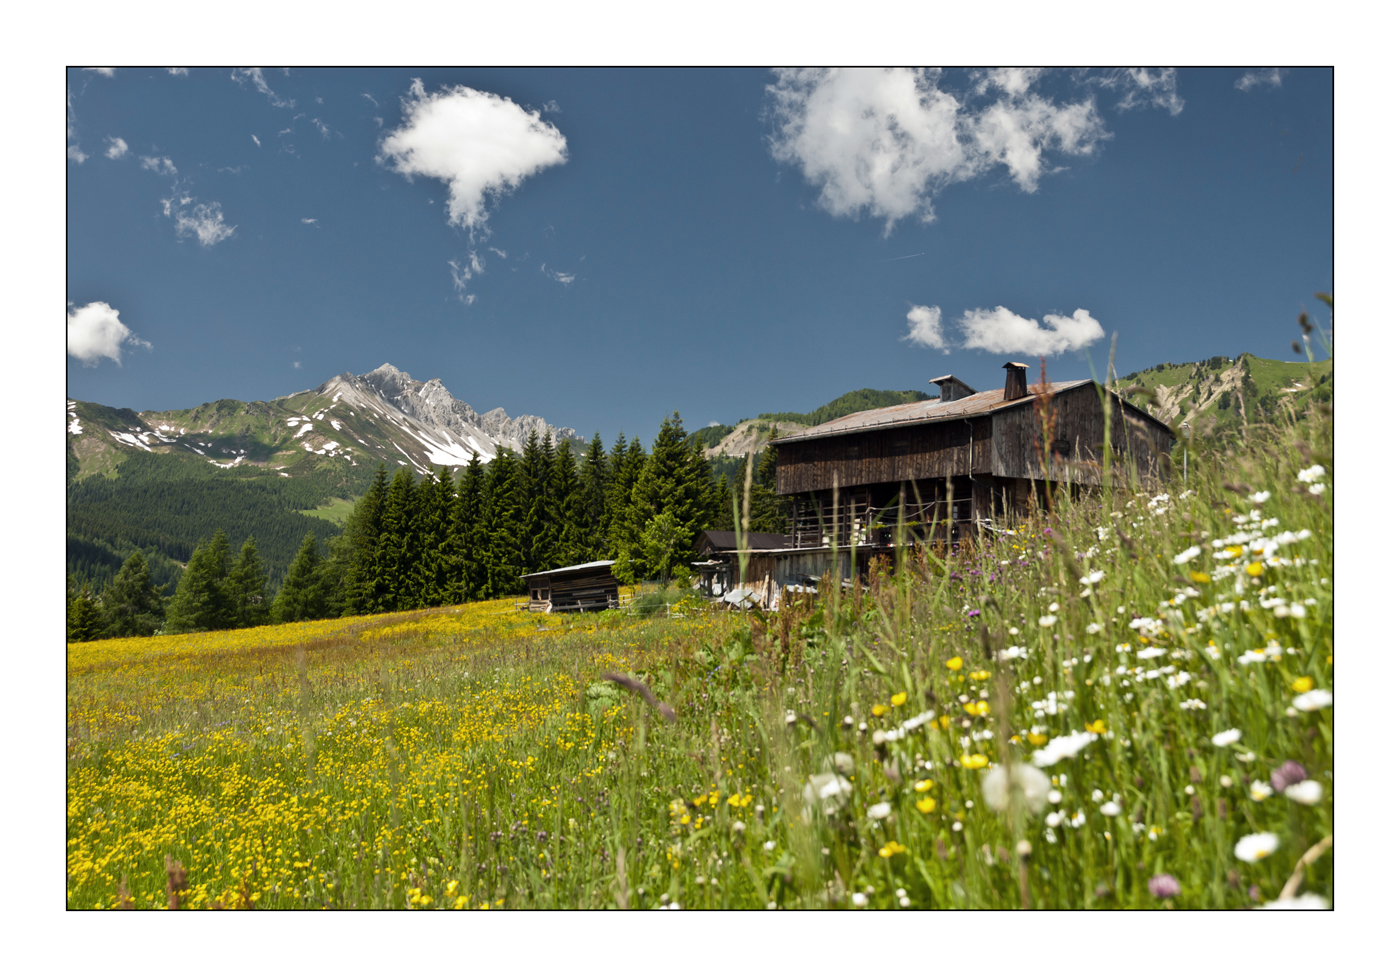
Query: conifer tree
pixel 666 485
pixel 397 544
pixel 438 500
pixel 571 528
pixel 199 602
pixel 502 522
pixel 303 594
pixel 245 590
pixel 625 474
pixel 469 537
pixel 595 479
pixel 335 572
pixel 84 619
pixel 767 512
pixel 366 589
pixel 536 504
pixel 131 606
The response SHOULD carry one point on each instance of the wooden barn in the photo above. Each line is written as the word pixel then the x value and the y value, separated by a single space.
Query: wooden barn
pixel 951 464
pixel 718 567
pixel 585 587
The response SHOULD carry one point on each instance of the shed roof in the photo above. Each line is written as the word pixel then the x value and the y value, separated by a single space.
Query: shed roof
pixel 727 539
pixel 925 412
pixel 595 565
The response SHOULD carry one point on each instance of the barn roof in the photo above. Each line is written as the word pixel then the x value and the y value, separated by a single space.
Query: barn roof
pixel 925 412
pixel 595 565
pixel 721 540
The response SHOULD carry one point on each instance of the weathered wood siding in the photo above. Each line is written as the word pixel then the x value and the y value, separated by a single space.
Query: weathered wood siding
pixel 1077 440
pixel 886 456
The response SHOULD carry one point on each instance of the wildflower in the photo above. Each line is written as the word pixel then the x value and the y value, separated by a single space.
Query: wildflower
pixel 1226 781
pixel 1187 555
pixel 738 827
pixel 1053 819
pixel 954 663
pixel 1259 498
pixel 827 791
pixel 879 811
pixel 926 805
pixel 1302 684
pixel 1313 701
pixel 923 786
pixel 1033 785
pixel 1226 738
pixel 1252 848
pixel 1014 651
pixel 1061 747
pixel 1077 821
pixel 1048 620
pixel 978 708
pixel 1255 569
pixel 1093 577
pixel 981 675
pixel 899 698
pixel 1311 474
pixel 843 763
pixel 957 825
pixel 879 709
pixel 892 848
pixel 1110 810
pixel 1164 886
pixel 916 721
pixel 859 899
pixel 1097 726
pixel 1193 704
pixel 975 762
pixel 1200 577
pixel 1306 900
pixel 1306 792
pixel 769 845
pixel 1054 797
pixel 1317 489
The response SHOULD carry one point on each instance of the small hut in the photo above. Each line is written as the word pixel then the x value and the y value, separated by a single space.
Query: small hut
pixel 566 590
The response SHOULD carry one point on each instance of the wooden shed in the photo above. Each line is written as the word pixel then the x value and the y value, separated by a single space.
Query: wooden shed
pixel 718 569
pixel 584 587
pixel 955 462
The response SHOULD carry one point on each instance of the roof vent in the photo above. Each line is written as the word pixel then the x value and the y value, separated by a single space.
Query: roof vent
pixel 951 388
pixel 1015 381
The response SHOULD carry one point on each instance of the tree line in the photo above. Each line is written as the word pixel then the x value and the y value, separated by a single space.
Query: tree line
pixel 413 543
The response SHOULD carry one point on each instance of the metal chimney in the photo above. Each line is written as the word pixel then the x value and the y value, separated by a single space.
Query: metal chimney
pixel 1015 381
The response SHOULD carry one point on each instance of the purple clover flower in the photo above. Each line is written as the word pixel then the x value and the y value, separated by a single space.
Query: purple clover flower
pixel 1290 773
pixel 1164 886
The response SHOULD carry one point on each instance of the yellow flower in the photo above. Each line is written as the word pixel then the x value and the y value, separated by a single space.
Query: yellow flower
pixel 1097 726
pixel 981 675
pixel 978 708
pixel 926 805
pixel 923 785
pixel 892 848
pixel 1037 739
pixel 1200 577
pixel 954 663
pixel 879 709
pixel 943 722
pixel 975 762
pixel 1234 550
pixel 1255 569
pixel 1303 684
pixel 899 698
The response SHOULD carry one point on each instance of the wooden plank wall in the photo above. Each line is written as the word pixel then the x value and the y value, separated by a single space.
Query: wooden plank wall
pixel 1079 432
pixel 885 456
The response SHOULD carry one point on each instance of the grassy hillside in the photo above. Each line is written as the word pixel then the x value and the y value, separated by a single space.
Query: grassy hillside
pixel 1208 394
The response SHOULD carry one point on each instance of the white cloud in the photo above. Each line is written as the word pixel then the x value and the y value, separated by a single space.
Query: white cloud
pixel 204 220
pixel 926 327
pixel 886 141
pixel 296 364
pixel 104 72
pixel 96 331
pixel 1002 331
pixel 308 220
pixel 552 108
pixel 158 164
pixel 116 147
pixel 256 141
pixel 1263 77
pixel 371 98
pixel 497 251
pixel 1138 87
pixel 255 77
pixel 322 128
pixel 462 273
pixel 562 277
pixel 480 144
pixel 76 154
pixel 178 72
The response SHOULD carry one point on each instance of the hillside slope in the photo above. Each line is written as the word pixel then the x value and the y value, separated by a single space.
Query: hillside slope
pixel 1213 393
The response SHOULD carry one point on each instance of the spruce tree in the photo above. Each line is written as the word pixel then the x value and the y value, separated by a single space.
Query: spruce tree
pixel 84 619
pixel 536 504
pixel 469 537
pixel 131 606
pixel 666 485
pixel 594 482
pixel 502 522
pixel 303 595
pixel 199 602
pixel 397 545
pixel 245 591
pixel 366 589
pixel 625 474
pixel 571 528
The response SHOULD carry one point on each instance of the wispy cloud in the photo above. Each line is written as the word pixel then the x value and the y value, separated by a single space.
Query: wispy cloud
pixel 308 220
pixel 116 147
pixel 371 98
pixel 483 146
pixel 157 164
pixel 204 220
pixel 1261 78
pixel 1000 330
pixel 497 252
pixel 104 72
pixel 254 77
pixel 887 141
pixel 552 108
pixel 322 128
pixel 562 277
pixel 96 332
pixel 256 141
pixel 926 327
pixel 1141 87
pixel 179 72
pixel 74 153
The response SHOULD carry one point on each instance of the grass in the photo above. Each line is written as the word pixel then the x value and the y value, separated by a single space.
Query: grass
pixel 336 511
pixel 1154 656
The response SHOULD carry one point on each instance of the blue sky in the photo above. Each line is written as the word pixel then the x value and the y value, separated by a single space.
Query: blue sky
pixel 601 247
